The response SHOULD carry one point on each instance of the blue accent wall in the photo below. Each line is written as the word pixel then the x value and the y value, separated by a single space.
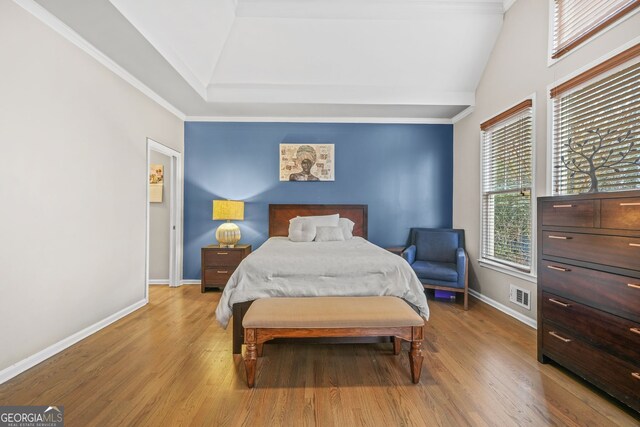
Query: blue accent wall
pixel 403 172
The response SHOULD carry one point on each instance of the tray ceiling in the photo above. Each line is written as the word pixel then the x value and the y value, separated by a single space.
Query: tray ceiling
pixel 411 60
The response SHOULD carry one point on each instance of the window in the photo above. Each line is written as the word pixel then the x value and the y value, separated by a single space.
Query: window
pixel 507 157
pixel 575 21
pixel 596 128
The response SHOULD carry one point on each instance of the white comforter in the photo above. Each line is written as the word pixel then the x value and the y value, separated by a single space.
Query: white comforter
pixel 354 267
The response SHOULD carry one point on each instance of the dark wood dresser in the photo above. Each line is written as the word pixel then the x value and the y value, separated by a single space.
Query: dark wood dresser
pixel 589 289
pixel 218 264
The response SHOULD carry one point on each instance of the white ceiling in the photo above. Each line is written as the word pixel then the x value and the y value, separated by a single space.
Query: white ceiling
pixel 411 60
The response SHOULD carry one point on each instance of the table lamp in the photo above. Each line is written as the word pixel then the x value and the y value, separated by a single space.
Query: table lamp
pixel 228 234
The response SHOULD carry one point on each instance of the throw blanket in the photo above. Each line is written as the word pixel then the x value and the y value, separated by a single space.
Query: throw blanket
pixel 355 267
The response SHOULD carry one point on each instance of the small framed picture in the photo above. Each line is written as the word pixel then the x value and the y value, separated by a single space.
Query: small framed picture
pixel 307 162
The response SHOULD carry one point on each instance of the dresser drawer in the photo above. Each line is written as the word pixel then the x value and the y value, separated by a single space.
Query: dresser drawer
pixel 621 213
pixel 603 330
pixel 623 252
pixel 219 257
pixel 576 213
pixel 616 294
pixel 615 376
pixel 217 276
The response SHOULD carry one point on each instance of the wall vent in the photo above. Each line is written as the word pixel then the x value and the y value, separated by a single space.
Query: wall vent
pixel 520 296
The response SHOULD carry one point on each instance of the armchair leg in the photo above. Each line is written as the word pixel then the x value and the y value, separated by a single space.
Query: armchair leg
pixel 466 283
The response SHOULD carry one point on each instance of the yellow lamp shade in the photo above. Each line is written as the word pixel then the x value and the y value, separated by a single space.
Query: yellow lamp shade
pixel 228 209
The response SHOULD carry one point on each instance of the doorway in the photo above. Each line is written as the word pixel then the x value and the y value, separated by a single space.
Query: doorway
pixel 164 216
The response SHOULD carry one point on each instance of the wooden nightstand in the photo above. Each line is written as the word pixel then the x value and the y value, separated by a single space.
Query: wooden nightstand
pixel 396 249
pixel 219 263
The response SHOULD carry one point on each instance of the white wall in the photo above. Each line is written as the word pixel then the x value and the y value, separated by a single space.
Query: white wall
pixel 159 220
pixel 73 175
pixel 516 69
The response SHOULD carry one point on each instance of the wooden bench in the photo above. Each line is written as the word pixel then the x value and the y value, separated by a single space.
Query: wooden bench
pixel 319 317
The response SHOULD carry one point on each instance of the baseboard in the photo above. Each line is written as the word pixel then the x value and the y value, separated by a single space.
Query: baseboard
pixel 503 308
pixel 158 281
pixel 21 366
pixel 190 282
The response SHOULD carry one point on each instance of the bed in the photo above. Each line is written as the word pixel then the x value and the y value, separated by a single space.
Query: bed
pixel 279 267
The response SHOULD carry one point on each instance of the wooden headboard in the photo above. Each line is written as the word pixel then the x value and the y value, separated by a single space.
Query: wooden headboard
pixel 279 216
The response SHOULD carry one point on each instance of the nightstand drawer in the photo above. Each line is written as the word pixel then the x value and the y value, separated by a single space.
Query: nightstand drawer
pixel 218 264
pixel 217 276
pixel 219 257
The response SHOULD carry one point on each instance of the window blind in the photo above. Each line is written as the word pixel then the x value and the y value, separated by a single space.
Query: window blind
pixel 577 20
pixel 596 129
pixel 507 159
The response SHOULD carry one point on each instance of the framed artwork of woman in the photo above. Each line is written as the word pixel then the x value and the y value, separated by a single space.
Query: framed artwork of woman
pixel 307 162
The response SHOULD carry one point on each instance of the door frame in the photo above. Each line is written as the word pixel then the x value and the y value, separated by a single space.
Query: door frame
pixel 175 213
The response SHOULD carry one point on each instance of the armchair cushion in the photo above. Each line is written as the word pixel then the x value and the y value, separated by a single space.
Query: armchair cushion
pixel 442 271
pixel 438 246
pixel 461 260
pixel 409 254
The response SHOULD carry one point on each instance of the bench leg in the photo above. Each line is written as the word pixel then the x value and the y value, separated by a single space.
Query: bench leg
pixel 250 364
pixel 397 345
pixel 259 348
pixel 251 356
pixel 415 360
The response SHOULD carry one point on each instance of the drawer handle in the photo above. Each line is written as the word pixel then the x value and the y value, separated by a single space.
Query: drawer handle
pixel 635 245
pixel 553 267
pixel 636 375
pixel 563 206
pixel 629 204
pixel 563 339
pixel 551 236
pixel 222 272
pixel 564 304
pixel 222 253
pixel 633 285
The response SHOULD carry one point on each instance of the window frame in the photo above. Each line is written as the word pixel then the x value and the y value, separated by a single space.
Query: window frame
pixel 530 276
pixel 550 103
pixel 599 31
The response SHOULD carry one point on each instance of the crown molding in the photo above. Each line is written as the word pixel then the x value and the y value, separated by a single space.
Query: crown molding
pixel 61 28
pixel 167 52
pixel 336 94
pixel 265 119
pixel 353 9
pixel 508 4
pixel 462 114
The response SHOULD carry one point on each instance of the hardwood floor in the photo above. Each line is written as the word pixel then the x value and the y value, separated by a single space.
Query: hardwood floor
pixel 170 364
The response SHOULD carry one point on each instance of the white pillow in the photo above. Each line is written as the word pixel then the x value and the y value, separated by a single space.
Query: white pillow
pixel 329 234
pixel 301 230
pixel 347 227
pixel 323 220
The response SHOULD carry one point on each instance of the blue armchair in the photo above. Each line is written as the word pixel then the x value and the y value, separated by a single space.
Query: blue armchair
pixel 438 257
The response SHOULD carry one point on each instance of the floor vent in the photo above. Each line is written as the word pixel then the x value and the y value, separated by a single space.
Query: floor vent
pixel 520 296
